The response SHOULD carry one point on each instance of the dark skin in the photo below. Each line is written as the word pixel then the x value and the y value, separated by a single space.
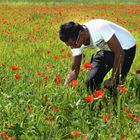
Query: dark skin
pixel 84 38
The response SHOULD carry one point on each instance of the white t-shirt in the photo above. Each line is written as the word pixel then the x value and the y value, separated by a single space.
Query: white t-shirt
pixel 101 32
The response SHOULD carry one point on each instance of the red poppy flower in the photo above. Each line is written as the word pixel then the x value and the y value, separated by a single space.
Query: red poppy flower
pixel 129 115
pixel 55 57
pixel 5 135
pixel 48 51
pixel 17 76
pixel 106 117
pixel 89 98
pixel 15 68
pixel 58 79
pixel 87 65
pixel 30 19
pixel 46 77
pixel 63 49
pixel 85 137
pixel 123 138
pixel 98 93
pixel 39 73
pixel 55 108
pixel 46 31
pixel 135 119
pixel 137 71
pixel 74 83
pixel 64 56
pixel 69 55
pixel 122 89
pixel 75 133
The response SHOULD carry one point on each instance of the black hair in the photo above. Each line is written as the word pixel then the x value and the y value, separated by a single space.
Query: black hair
pixel 69 30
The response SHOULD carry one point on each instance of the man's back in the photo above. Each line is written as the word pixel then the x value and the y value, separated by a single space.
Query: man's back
pixel 103 29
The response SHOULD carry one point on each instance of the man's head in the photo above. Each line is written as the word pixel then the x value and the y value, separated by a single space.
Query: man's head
pixel 70 33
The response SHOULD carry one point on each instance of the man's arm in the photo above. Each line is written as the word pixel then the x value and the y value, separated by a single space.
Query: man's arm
pixel 74 71
pixel 116 48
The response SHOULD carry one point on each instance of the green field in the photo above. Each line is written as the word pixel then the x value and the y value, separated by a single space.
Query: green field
pixel 33 66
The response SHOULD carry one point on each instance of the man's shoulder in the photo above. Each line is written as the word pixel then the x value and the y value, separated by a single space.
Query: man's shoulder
pixel 96 23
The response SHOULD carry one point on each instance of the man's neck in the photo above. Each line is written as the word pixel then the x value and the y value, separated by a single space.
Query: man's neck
pixel 87 36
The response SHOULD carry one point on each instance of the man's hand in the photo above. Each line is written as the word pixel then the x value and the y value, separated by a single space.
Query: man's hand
pixel 109 83
pixel 71 75
pixel 74 71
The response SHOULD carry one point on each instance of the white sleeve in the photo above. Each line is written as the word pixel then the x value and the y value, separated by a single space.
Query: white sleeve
pixel 106 32
pixel 77 51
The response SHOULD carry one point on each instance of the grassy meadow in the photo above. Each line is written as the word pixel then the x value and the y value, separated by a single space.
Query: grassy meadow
pixel 33 66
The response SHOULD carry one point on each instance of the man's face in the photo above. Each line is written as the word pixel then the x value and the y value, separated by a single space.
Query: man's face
pixel 75 43
pixel 71 43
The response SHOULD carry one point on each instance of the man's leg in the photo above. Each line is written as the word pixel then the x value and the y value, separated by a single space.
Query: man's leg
pixel 102 63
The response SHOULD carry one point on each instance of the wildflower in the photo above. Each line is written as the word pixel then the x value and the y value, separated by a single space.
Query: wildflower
pixel 129 115
pixel 5 135
pixel 89 98
pixel 30 19
pixel 58 79
pixel 123 138
pixel 46 77
pixel 85 137
pixel 106 117
pixel 46 31
pixel 122 89
pixel 17 76
pixel 39 73
pixel 55 57
pixel 75 133
pixel 137 71
pixel 87 65
pixel 64 56
pixel 74 83
pixel 48 51
pixel 48 66
pixel 135 119
pixel 15 68
pixel 69 55
pixel 63 49
pixel 55 108
pixel 98 93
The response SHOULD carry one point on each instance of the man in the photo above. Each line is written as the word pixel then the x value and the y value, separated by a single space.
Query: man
pixel 117 50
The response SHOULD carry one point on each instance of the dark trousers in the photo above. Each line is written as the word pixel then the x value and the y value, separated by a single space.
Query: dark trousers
pixel 103 62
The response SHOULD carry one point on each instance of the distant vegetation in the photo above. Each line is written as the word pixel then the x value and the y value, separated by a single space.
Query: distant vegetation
pixel 77 1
